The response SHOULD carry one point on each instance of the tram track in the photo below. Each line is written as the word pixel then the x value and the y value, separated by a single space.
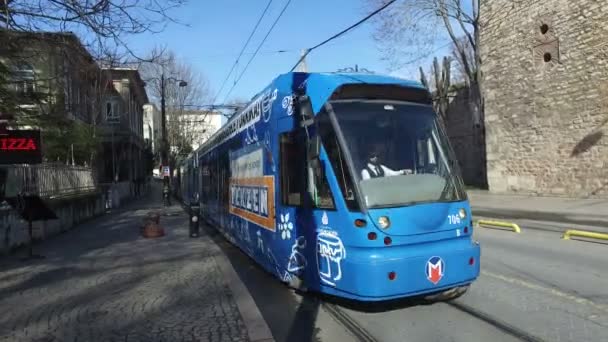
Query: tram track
pixel 495 322
pixel 360 333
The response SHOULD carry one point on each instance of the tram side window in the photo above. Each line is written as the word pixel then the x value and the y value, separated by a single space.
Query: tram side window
pixel 319 189
pixel 205 183
pixel 224 170
pixel 292 169
pixel 212 195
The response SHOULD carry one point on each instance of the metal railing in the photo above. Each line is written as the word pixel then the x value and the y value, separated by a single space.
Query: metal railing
pixel 50 180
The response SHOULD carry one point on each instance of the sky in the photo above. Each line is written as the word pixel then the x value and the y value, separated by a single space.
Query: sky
pixel 213 33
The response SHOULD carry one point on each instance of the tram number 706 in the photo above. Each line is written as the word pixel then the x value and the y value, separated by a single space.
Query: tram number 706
pixel 454 219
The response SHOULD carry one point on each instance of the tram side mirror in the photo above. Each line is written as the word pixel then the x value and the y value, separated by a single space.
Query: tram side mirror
pixel 314 147
pixel 318 168
pixel 305 109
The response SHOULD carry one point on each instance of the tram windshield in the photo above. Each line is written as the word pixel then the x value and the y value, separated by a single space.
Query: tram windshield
pixel 400 154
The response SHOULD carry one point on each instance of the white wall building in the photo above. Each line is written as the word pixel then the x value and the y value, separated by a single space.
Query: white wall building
pixel 152 126
pixel 198 126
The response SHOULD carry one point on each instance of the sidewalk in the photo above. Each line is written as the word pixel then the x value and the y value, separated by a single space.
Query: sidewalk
pixel 593 212
pixel 102 281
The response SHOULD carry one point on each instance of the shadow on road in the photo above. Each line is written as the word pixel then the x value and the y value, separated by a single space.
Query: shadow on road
pixel 375 307
pixel 121 225
pixel 288 319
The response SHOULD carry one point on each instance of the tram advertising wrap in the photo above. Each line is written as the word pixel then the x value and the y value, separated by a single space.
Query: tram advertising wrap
pixel 251 193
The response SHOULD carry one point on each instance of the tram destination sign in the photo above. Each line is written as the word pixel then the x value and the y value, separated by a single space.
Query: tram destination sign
pixel 20 147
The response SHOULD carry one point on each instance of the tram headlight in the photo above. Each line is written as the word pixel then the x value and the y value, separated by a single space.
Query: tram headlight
pixel 194 219
pixel 384 222
pixel 462 213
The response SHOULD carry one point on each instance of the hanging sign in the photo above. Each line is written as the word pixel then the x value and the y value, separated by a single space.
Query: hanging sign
pixel 20 147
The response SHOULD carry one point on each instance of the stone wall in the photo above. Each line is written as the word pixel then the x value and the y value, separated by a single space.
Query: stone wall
pixel 545 66
pixel 70 212
pixel 466 138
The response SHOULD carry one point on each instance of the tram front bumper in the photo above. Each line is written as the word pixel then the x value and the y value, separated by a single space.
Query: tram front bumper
pixel 402 271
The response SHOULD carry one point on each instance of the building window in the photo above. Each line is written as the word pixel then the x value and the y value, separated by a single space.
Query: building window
pixel 292 168
pixel 24 79
pixel 112 111
pixel 77 94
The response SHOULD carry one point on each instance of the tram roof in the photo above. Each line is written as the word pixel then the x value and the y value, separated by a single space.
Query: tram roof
pixel 321 85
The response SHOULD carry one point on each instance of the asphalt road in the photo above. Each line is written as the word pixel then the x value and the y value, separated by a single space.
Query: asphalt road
pixel 533 287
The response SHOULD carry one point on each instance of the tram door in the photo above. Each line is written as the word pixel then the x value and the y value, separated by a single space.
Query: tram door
pixel 300 186
pixel 293 212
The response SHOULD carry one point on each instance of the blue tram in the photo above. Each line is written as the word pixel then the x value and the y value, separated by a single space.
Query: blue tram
pixel 344 184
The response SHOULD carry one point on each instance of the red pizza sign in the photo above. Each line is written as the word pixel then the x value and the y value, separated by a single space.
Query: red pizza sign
pixel 20 147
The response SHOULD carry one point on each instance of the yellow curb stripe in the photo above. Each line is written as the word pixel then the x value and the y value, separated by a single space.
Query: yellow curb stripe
pixel 585 234
pixel 511 225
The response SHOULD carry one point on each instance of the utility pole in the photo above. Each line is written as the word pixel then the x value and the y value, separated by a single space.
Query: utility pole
pixel 165 147
pixel 165 141
pixel 302 66
pixel 114 176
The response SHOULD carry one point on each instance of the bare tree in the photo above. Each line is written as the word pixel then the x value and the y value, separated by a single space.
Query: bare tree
pixel 107 22
pixel 424 23
pixel 412 29
pixel 101 26
pixel 183 120
pixel 459 74
pixel 440 86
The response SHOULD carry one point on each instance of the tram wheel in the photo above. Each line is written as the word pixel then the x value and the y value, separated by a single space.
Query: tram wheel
pixel 447 295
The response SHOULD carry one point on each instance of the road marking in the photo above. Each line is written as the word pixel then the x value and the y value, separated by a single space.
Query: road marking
pixel 551 291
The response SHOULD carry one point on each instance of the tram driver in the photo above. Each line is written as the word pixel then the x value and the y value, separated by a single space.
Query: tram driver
pixel 374 167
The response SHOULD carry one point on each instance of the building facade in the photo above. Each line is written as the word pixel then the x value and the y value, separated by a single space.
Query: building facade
pixel 50 74
pixel 192 126
pixel 545 83
pixel 122 129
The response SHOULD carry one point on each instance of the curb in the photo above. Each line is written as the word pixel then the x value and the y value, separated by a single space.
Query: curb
pixel 536 216
pixel 584 234
pixel 257 328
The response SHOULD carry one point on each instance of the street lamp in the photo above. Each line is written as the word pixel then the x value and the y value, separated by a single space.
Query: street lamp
pixel 165 150
pixel 164 141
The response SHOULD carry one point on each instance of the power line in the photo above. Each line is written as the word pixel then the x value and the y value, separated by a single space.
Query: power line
pixel 243 50
pixel 343 32
pixel 258 49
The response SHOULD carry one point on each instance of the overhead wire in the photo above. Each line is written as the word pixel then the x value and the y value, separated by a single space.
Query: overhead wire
pixel 258 49
pixel 309 50
pixel 243 49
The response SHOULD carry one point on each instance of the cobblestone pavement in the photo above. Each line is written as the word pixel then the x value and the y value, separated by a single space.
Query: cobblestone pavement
pixel 103 282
